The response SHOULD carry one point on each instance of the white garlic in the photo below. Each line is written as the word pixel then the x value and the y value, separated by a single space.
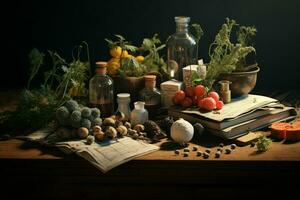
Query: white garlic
pixel 182 131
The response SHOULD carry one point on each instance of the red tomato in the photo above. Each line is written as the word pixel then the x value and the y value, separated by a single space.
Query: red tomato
pixel 189 91
pixel 200 91
pixel 219 105
pixel 186 102
pixel 180 95
pixel 175 101
pixel 214 95
pixel 208 103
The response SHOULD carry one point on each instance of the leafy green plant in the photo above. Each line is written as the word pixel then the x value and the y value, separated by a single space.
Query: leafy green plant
pixel 263 143
pixel 153 61
pixel 36 107
pixel 225 55
pixel 196 31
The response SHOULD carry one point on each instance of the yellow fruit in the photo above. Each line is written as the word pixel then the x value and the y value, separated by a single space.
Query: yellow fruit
pixel 117 60
pixel 124 54
pixel 115 52
pixel 140 58
pixel 113 66
pixel 130 56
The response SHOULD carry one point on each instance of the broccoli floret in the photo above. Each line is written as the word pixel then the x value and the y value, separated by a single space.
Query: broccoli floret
pixel 71 105
pixel 95 112
pixel 86 123
pixel 75 116
pixel 97 122
pixel 62 115
pixel 86 112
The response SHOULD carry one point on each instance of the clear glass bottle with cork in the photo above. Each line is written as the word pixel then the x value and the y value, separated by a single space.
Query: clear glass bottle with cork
pixel 182 48
pixel 150 95
pixel 101 91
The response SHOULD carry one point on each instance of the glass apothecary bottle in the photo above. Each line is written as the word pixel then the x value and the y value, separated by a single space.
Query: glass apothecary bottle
pixel 123 100
pixel 101 91
pixel 139 114
pixel 151 95
pixel 182 48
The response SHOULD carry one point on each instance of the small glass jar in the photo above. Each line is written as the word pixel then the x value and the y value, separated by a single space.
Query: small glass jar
pixel 101 91
pixel 139 114
pixel 123 104
pixel 151 95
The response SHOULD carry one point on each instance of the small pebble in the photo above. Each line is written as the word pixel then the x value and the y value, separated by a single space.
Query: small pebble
pixel 205 155
pixel 177 151
pixel 233 146
pixel 221 145
pixel 207 151
pixel 195 148
pixel 199 153
pixel 185 154
pixel 90 139
pixel 227 151
pixel 218 154
pixel 252 144
pixel 186 150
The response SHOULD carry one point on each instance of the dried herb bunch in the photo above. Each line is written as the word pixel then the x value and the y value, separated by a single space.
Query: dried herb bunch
pixel 226 55
pixel 36 107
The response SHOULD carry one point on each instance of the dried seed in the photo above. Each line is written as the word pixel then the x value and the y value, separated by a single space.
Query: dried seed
pixel 220 149
pixel 207 151
pixel 205 155
pixel 221 145
pixel 195 148
pixel 227 151
pixel 177 151
pixel 218 154
pixel 233 146
pixel 185 154
pixel 186 150
pixel 199 153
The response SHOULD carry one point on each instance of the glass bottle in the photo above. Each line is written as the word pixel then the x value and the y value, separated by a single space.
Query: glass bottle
pixel 139 114
pixel 101 91
pixel 182 49
pixel 123 104
pixel 151 95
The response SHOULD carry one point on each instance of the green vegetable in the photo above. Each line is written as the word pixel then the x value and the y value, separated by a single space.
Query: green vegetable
pixel 75 116
pixel 86 123
pixel 95 112
pixel 97 122
pixel 263 143
pixel 86 112
pixel 71 105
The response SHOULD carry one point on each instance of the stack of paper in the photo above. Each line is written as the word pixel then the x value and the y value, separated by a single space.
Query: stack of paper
pixel 244 114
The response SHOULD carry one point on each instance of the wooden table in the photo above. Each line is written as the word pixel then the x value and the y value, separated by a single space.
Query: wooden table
pixel 37 172
pixel 28 167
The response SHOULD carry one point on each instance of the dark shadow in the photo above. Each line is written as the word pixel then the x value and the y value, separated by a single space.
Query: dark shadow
pixel 170 146
pixel 254 153
pixel 289 142
pixel 26 145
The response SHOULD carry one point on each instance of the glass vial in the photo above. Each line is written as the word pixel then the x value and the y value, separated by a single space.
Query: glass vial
pixel 139 114
pixel 151 95
pixel 123 104
pixel 182 49
pixel 101 91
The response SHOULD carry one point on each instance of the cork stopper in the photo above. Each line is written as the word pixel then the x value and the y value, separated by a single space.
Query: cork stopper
pixel 150 78
pixel 101 67
pixel 150 81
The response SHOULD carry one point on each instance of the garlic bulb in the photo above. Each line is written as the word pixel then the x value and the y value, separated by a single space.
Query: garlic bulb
pixel 182 131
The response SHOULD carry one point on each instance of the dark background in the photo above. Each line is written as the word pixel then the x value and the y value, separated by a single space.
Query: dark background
pixel 59 25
